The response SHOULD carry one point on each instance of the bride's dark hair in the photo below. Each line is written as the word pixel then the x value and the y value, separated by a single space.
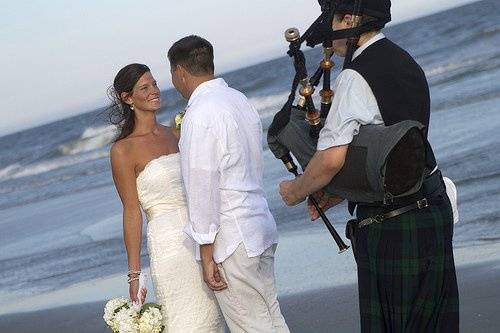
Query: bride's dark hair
pixel 120 113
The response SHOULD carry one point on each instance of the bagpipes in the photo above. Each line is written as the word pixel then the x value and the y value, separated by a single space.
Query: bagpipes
pixel 373 169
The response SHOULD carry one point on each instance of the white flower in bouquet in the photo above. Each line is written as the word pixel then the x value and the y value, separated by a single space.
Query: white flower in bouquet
pixel 110 309
pixel 126 320
pixel 150 320
pixel 122 316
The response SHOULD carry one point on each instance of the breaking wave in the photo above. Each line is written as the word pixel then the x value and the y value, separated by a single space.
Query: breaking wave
pixel 446 68
pixel 92 138
pixel 263 103
pixel 18 171
pixel 9 170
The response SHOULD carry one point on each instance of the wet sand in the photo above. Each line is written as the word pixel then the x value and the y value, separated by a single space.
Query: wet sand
pixel 327 310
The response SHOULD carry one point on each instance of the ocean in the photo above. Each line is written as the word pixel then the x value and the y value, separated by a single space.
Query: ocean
pixel 60 217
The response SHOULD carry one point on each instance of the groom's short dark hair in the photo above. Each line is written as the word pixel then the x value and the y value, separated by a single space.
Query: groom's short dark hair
pixel 194 53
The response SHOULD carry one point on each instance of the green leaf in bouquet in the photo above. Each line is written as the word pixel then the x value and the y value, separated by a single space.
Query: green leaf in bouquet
pixel 121 307
pixel 146 306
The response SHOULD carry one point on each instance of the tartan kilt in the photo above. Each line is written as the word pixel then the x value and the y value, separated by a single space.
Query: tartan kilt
pixel 406 271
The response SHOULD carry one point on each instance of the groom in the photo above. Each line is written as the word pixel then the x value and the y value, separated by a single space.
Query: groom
pixel 222 165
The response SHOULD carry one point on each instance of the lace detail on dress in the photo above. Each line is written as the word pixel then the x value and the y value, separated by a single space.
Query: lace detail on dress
pixel 188 305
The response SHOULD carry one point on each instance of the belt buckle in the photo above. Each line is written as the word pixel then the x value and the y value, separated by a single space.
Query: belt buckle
pixel 388 199
pixel 370 220
pixel 422 203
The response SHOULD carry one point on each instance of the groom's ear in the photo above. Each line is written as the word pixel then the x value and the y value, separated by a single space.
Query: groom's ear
pixel 180 69
pixel 176 67
pixel 182 72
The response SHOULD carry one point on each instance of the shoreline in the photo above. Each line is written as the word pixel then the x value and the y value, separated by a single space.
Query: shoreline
pixel 313 311
pixel 326 270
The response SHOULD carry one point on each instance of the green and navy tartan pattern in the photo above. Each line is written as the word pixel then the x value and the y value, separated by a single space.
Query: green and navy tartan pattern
pixel 406 271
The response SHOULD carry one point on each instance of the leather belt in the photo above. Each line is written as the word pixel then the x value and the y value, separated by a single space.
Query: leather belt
pixel 433 186
pixel 420 204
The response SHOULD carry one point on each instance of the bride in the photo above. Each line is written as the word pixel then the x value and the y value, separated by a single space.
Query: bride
pixel 146 170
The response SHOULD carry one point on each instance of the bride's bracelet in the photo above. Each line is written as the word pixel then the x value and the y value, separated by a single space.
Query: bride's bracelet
pixel 131 272
pixel 132 279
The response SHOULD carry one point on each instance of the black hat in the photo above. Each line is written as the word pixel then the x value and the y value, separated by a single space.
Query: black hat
pixel 380 10
pixel 375 8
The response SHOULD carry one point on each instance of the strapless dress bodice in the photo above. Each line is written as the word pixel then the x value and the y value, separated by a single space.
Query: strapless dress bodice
pixel 159 186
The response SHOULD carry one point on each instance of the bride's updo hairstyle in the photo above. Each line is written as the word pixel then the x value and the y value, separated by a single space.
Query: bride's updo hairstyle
pixel 120 113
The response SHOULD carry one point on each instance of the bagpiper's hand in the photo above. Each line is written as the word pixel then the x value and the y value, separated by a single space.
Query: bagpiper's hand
pixel 288 194
pixel 324 201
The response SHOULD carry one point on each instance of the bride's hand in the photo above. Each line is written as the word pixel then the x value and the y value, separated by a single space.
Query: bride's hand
pixel 134 289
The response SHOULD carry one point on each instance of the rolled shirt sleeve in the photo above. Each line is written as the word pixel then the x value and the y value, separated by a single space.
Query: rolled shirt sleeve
pixel 201 155
pixel 352 106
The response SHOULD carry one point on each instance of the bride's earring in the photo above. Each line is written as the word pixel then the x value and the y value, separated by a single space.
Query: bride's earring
pixel 132 107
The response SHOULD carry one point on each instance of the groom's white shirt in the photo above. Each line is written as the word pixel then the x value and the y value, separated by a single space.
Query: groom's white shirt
pixel 222 167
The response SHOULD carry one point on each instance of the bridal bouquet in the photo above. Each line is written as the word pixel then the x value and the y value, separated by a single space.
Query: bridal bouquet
pixel 123 316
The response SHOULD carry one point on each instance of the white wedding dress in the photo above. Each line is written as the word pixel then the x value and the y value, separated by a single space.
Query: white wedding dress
pixel 188 305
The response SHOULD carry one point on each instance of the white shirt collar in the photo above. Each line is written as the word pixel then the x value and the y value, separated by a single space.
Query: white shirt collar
pixel 218 82
pixel 371 41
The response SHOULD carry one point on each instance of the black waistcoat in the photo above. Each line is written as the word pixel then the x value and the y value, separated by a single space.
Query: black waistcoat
pixel 398 83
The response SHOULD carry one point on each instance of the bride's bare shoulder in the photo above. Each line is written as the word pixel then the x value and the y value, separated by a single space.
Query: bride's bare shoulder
pixel 121 150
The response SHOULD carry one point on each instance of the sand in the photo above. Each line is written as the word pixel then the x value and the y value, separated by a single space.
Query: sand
pixel 325 310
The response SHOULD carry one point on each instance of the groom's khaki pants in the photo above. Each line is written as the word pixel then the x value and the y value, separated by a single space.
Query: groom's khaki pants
pixel 250 303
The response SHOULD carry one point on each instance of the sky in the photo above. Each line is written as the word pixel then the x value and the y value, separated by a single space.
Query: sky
pixel 59 57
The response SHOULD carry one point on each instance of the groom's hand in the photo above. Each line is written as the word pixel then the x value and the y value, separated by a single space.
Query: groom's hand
pixel 211 274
